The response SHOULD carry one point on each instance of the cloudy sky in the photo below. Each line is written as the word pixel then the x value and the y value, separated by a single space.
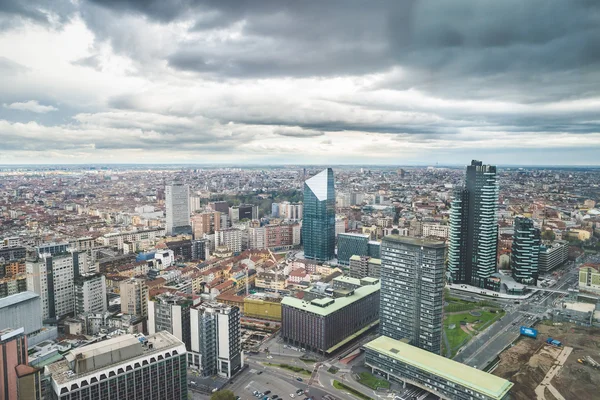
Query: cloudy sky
pixel 278 81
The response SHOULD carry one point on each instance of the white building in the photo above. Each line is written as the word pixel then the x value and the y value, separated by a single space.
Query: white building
pixel 52 277
pixel 216 347
pixel 340 226
pixel 435 230
pixel 164 258
pixel 90 294
pixel 230 238
pixel 177 202
pixel 134 297
pixel 255 238
pixel 290 211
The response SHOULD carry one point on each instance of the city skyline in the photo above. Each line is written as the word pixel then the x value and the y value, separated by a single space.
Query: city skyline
pixel 247 83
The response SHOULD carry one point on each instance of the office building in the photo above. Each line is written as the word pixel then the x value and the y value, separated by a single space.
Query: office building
pixel 243 212
pixel 589 278
pixel 18 380
pixel 206 223
pixel 400 362
pixel 553 256
pixel 131 367
pixel 200 249
pixel 10 285
pixel 22 310
pixel 288 211
pixel 435 230
pixel 230 238
pixel 170 312
pixel 12 254
pixel 182 249
pixel 220 206
pixel 326 323
pixel 318 223
pixel 525 251
pixel 412 284
pixel 52 278
pixel 474 228
pixel 134 297
pixel 365 266
pixel 350 244
pixel 90 294
pixel 177 203
pixel 216 347
pixel 263 306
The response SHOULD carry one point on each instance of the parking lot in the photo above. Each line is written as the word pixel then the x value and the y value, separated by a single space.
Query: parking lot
pixel 268 384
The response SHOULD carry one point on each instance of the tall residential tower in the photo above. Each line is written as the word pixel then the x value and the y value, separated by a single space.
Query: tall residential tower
pixel 474 227
pixel 525 251
pixel 177 202
pixel 318 223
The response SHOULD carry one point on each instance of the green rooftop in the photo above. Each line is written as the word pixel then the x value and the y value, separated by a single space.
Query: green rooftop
pixel 472 378
pixel 326 306
pixel 347 279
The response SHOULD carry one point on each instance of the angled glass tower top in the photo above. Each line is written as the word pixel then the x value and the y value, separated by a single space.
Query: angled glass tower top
pixel 318 223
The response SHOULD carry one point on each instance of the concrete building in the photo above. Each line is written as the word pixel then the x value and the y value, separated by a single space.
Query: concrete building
pixel 53 277
pixel 230 238
pixel 318 224
pixel 177 204
pixel 525 251
pixel 589 278
pixel 364 266
pixel 398 361
pixel 263 306
pixel 206 223
pixel 220 206
pixel 242 212
pixel 553 256
pixel 289 211
pixel 412 284
pixel 90 294
pixel 22 310
pixel 18 381
pixel 200 249
pixel 350 244
pixel 134 297
pixel 216 347
pixel 170 312
pixel 12 285
pixel 325 324
pixel 435 230
pixel 132 367
pixel 474 228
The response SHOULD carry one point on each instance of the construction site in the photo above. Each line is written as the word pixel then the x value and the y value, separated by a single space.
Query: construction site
pixel 561 363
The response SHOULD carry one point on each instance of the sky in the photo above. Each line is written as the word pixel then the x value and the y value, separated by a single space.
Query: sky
pixel 300 82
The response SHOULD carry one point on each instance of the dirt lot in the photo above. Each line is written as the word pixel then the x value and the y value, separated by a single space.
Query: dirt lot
pixel 529 360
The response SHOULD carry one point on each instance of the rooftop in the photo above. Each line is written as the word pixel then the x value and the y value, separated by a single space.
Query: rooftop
pixel 328 306
pixel 453 371
pixel 414 241
pixel 363 235
pixel 318 184
pixel 17 298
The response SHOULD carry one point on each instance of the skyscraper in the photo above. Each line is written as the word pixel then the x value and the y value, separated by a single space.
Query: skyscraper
pixel 525 251
pixel 474 228
pixel 318 224
pixel 412 284
pixel 177 201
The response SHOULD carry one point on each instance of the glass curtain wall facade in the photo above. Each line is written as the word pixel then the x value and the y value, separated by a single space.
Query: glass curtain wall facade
pixel 525 251
pixel 351 244
pixel 318 223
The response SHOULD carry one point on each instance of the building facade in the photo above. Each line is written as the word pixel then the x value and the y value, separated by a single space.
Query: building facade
pixel 134 297
pixel 324 324
pixel 525 251
pixel 216 347
pixel 589 278
pixel 125 367
pixel 177 204
pixel 90 294
pixel 350 244
pixel 171 313
pixel 206 223
pixel 364 266
pixel 18 380
pixel 553 256
pixel 230 238
pixel 412 284
pixel 318 223
pixel 23 310
pixel 474 228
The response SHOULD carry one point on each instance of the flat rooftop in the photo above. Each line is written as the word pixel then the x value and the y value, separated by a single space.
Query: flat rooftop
pixel 414 241
pixel 482 382
pixel 347 279
pixel 17 298
pixel 124 348
pixel 327 306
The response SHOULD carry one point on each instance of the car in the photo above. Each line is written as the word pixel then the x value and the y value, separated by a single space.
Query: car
pixel 255 392
pixel 292 395
pixel 259 372
pixel 299 391
pixel 268 392
pixel 274 397
pixel 192 383
pixel 299 379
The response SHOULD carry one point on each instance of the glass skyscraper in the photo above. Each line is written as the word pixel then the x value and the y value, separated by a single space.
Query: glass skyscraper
pixel 318 223
pixel 474 228
pixel 525 251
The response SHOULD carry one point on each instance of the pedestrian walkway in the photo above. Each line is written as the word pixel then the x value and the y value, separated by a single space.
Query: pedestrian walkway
pixel 560 361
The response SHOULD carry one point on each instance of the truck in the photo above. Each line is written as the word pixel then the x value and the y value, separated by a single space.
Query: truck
pixel 554 342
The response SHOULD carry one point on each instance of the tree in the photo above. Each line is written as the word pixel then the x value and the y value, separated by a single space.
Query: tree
pixel 223 395
pixel 548 234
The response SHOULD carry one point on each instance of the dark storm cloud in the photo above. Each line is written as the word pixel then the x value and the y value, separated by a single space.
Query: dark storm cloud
pixel 14 12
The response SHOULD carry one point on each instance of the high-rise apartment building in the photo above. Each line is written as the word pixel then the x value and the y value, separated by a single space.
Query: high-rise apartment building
pixel 23 310
pixel 206 223
pixel 17 379
pixel 525 251
pixel 364 266
pixel 412 284
pixel 132 367
pixel 171 313
pixel 220 206
pixel 177 202
pixel 216 347
pixel 90 294
pixel 134 297
pixel 318 223
pixel 53 277
pixel 474 228
pixel 230 238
